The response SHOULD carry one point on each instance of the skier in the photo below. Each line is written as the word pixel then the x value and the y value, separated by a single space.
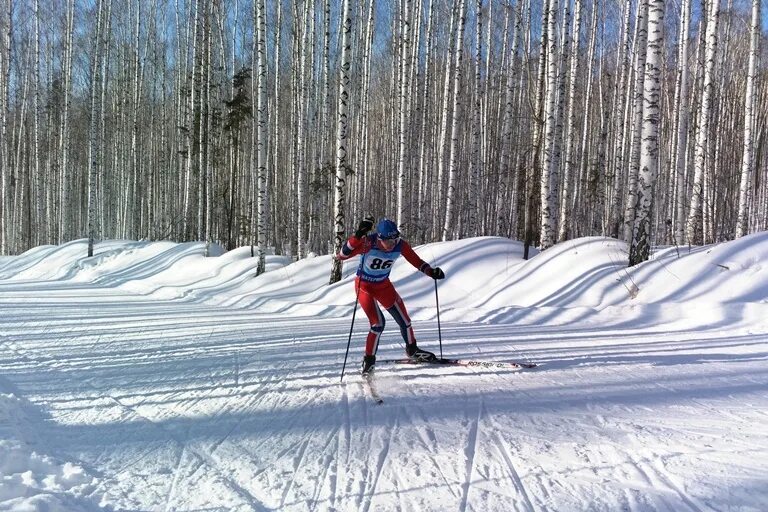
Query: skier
pixel 379 252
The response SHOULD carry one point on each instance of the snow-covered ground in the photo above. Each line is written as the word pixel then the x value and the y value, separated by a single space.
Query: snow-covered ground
pixel 152 378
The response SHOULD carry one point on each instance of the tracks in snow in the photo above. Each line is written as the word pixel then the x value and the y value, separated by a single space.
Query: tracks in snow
pixel 249 406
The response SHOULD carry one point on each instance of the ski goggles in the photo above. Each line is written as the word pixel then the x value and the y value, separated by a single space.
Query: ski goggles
pixel 392 239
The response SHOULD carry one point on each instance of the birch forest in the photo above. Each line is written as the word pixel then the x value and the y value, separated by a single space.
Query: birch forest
pixel 279 124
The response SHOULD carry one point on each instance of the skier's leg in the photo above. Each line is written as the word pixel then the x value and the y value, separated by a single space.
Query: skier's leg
pixel 375 318
pixel 394 304
pixel 400 314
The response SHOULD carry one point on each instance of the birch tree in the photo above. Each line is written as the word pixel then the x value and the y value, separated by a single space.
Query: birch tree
pixel 262 141
pixel 621 113
pixel 341 137
pixel 453 160
pixel 681 118
pixel 445 117
pixel 550 121
pixel 641 46
pixel 36 127
pixel 747 162
pixel 475 159
pixel 404 99
pixel 5 75
pixel 534 168
pixel 649 154
pixel 694 229
pixel 570 125
pixel 93 149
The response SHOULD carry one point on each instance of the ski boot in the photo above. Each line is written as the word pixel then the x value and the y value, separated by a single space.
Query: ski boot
pixel 416 354
pixel 368 362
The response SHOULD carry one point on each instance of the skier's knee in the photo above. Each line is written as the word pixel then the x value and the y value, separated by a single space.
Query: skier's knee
pixel 378 328
pixel 401 321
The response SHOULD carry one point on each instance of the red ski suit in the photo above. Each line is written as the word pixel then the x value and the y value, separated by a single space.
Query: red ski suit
pixel 373 285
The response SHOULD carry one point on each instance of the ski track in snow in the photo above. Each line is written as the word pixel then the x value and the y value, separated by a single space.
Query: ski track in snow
pixel 177 405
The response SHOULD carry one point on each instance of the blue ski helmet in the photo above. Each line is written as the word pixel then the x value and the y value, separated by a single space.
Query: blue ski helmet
pixel 387 229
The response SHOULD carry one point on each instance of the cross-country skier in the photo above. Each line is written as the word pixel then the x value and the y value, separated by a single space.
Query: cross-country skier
pixel 379 252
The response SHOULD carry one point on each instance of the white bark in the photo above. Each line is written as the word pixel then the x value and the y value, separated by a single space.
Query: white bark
pixel 453 161
pixel 620 115
pixel 363 152
pixel 427 140
pixel 36 130
pixel 547 170
pixel 5 74
pixel 570 126
pixel 192 108
pixel 341 136
pixel 93 156
pixel 682 118
pixel 641 47
pixel 747 161
pixel 649 154
pixel 694 228
pixel 326 76
pixel 302 100
pixel 475 160
pixel 445 117
pixel 404 77
pixel 262 140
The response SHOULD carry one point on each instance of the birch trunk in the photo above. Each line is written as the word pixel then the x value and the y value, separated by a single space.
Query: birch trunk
pixel 262 141
pixel 620 126
pixel 747 162
pixel 5 80
pixel 534 169
pixel 404 77
pixel 475 160
pixel 341 137
pixel 326 80
pixel 453 161
pixel 302 100
pixel 641 47
pixel 445 118
pixel 550 120
pixel 363 157
pixel 694 227
pixel 682 118
pixel 649 155
pixel 93 156
pixel 570 126
pixel 192 124
pixel 427 132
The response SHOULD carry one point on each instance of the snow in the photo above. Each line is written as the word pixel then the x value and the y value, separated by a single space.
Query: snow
pixel 152 377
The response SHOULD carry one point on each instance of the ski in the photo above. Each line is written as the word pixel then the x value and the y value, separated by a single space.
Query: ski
pixel 370 384
pixel 462 362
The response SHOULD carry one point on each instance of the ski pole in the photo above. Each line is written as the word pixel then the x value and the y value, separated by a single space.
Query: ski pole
pixel 354 312
pixel 439 332
pixel 349 341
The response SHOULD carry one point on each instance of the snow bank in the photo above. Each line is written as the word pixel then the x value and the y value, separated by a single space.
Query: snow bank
pixel 484 274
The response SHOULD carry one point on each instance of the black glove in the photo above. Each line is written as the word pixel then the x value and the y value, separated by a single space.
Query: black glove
pixel 365 226
pixel 437 273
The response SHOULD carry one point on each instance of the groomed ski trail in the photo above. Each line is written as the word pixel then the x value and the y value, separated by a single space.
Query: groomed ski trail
pixel 189 406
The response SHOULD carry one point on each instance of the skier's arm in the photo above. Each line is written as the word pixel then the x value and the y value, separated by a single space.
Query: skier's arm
pixel 355 244
pixel 418 263
pixel 352 247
